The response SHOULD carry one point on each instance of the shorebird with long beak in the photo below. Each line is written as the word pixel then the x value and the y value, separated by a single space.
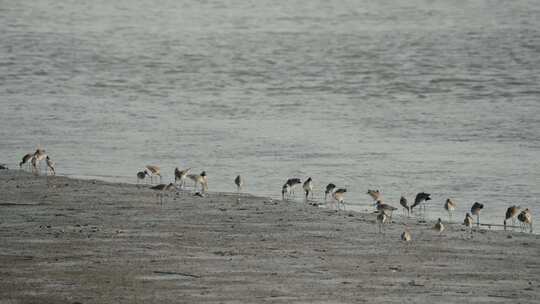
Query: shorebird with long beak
pixel 153 171
pixel 468 222
pixel 382 219
pixel 26 159
pixel 308 188
pixel 406 236
pixel 50 165
pixel 141 175
pixel 162 189
pixel 201 179
pixel 239 182
pixel 404 204
pixel 420 197
pixel 339 197
pixel 180 175
pixel 449 206
pixel 38 156
pixel 285 191
pixel 382 207
pixel 439 227
pixel 511 214
pixel 525 219
pixel 329 190
pixel 475 210
pixel 375 195
pixel 293 182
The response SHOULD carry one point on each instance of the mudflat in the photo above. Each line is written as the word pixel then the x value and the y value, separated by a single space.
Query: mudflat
pixel 66 240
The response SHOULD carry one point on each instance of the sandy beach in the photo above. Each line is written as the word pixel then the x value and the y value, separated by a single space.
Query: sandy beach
pixel 66 240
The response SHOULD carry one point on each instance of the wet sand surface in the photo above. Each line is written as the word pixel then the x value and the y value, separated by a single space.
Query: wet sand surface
pixel 66 240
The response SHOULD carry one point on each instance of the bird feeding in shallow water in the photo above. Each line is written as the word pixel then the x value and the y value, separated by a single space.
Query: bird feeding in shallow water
pixel 339 197
pixel 180 176
pixel 382 219
pixel 475 210
pixel 404 204
pixel 26 159
pixel 329 190
pixel 239 183
pixel 201 179
pixel 439 227
pixel 420 197
pixel 308 188
pixel 525 219
pixel 449 206
pixel 406 235
pixel 50 165
pixel 382 207
pixel 152 171
pixel 292 183
pixel 511 214
pixel 285 191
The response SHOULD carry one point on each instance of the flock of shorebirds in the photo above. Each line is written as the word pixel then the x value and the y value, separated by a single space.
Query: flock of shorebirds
pixel 383 210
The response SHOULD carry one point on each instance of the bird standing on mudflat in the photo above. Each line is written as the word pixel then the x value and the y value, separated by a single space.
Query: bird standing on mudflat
pixel 153 171
pixel 50 165
pixel 382 218
pixel 375 194
pixel 308 188
pixel 141 175
pixel 406 235
pixel 201 179
pixel 511 214
pixel 329 189
pixel 439 227
pixel 525 218
pixel 382 207
pixel 339 196
pixel 475 210
pixel 26 160
pixel 404 204
pixel 293 182
pixel 449 206
pixel 285 191
pixel 162 188
pixel 239 183
pixel 180 175
pixel 420 197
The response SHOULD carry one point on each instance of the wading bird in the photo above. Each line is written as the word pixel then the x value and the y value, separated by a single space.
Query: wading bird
pixel 420 197
pixel 26 160
pixel 50 165
pixel 308 188
pixel 153 170
pixel 439 227
pixel 180 175
pixel 201 179
pixel 406 235
pixel 449 206
pixel 475 210
pixel 339 196
pixel 161 189
pixel 511 214
pixel 382 219
pixel 329 190
pixel 382 207
pixel 238 182
pixel 404 204
pixel 525 218
pixel 141 175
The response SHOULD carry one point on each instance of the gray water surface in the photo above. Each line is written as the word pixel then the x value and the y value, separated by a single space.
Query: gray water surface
pixel 401 96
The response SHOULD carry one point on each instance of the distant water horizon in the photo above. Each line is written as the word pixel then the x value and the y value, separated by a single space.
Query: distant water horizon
pixel 402 97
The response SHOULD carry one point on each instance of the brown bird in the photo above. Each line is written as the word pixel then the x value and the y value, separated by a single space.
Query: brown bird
pixel 329 190
pixel 475 210
pixel 406 235
pixel 339 196
pixel 153 170
pixel 38 156
pixel 50 165
pixel 511 214
pixel 382 219
pixel 525 218
pixel 382 207
pixel 201 179
pixel 239 183
pixel 439 227
pixel 375 194
pixel 420 197
pixel 468 221
pixel 450 206
pixel 308 188
pixel 26 160
pixel 180 175
pixel 403 203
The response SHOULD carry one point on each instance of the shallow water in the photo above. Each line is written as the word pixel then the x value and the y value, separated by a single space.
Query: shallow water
pixel 403 97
